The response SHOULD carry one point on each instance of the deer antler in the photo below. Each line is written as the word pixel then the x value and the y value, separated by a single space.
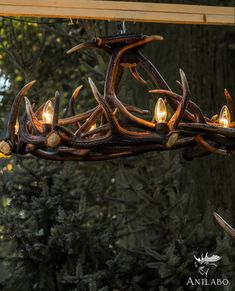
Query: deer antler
pixel 113 128
pixel 224 225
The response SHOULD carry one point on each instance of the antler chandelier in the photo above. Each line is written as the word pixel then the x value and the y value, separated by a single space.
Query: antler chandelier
pixel 113 129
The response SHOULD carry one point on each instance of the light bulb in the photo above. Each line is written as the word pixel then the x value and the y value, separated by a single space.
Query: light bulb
pixel 93 127
pixel 17 126
pixel 160 112
pixel 48 112
pixel 224 117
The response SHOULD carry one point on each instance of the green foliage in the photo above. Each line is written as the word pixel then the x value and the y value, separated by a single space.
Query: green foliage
pixel 71 226
pixel 31 51
pixel 53 223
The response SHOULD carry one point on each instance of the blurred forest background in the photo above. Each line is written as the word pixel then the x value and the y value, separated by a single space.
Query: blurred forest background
pixel 126 224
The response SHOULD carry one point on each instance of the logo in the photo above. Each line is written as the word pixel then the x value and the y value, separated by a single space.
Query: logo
pixel 204 264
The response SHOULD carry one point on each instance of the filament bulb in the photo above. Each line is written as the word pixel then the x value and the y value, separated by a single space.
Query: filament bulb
pixel 93 127
pixel 17 126
pixel 48 112
pixel 224 117
pixel 160 112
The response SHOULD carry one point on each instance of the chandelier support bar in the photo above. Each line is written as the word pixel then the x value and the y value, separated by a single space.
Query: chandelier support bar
pixel 120 11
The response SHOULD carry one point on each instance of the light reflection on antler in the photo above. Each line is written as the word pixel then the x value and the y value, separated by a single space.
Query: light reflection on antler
pixel 113 129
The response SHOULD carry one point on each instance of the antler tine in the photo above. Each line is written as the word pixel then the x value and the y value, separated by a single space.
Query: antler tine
pixel 229 103
pixel 136 121
pixel 196 111
pixel 91 119
pixel 81 46
pixel 153 73
pixel 72 103
pixel 73 100
pixel 192 106
pixel 56 110
pixel 101 129
pixel 209 147
pixel 145 40
pixel 78 117
pixel 179 113
pixel 97 112
pixel 197 259
pixel 28 138
pixel 36 124
pixel 137 110
pixel 136 75
pixel 179 84
pixel 224 225
pixel 15 110
pixel 107 111
pixel 87 45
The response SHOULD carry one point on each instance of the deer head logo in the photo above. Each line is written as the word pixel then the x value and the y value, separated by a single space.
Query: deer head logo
pixel 204 263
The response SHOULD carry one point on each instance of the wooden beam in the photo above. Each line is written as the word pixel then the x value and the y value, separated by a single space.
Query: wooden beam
pixel 115 10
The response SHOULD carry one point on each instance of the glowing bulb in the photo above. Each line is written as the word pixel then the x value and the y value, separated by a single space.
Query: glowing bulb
pixel 93 127
pixel 17 126
pixel 160 112
pixel 47 114
pixel 224 117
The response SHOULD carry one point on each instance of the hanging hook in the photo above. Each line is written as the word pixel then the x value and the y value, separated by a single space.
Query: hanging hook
pixel 71 21
pixel 122 27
